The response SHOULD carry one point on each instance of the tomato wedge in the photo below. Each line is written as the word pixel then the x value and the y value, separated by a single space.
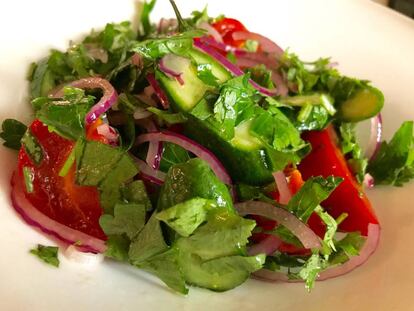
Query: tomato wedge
pixel 226 27
pixel 326 159
pixel 60 198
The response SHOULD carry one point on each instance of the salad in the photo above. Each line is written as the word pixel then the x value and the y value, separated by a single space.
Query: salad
pixel 203 153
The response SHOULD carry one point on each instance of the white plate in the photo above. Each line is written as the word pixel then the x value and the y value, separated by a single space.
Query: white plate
pixel 367 40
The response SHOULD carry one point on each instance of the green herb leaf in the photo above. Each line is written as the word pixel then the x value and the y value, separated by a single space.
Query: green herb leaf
pixel 66 116
pixel 128 219
pixel 173 154
pixel 353 152
pixel 12 133
pixel 311 194
pixel 28 175
pixel 32 147
pixel 168 117
pixel 394 163
pixel 186 217
pixel 145 18
pixel 135 192
pixel 178 44
pixel 48 254
pixel 191 179
pixel 149 242
pixel 165 266
pixel 117 247
pixel 205 74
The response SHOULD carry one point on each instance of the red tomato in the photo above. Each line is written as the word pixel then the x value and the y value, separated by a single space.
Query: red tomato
pixel 59 198
pixel 92 132
pixel 326 159
pixel 226 27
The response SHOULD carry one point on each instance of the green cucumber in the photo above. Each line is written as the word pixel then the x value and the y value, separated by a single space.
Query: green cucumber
pixel 186 96
pixel 244 161
pixel 363 104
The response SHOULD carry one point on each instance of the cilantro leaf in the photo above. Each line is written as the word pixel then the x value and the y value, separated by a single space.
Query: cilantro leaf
pixel 104 166
pixel 311 194
pixel 205 74
pixel 186 217
pixel 165 266
pixel 32 147
pixel 236 97
pixel 224 234
pixel 352 150
pixel 394 163
pixel 12 133
pixel 135 192
pixel 178 44
pixel 65 116
pixel 48 254
pixel 117 247
pixel 168 117
pixel 149 242
pixel 191 179
pixel 146 27
pixel 128 219
pixel 171 155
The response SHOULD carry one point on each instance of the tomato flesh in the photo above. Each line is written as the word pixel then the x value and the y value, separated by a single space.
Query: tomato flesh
pixel 226 27
pixel 326 159
pixel 59 198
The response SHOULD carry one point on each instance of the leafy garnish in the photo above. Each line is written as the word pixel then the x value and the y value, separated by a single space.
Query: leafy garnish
pixel 146 28
pixel 165 266
pixel 67 115
pixel 394 163
pixel 32 147
pixel 352 150
pixel 48 254
pixel 168 117
pixel 311 194
pixel 12 133
pixel 149 242
pixel 28 175
pixel 178 44
pixel 185 217
pixel 173 154
pixel 128 219
pixel 205 74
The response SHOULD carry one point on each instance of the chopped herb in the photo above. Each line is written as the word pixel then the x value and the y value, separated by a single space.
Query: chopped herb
pixel 394 163
pixel 12 133
pixel 48 254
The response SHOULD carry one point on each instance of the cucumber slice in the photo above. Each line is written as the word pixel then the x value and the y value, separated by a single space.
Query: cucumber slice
pixel 364 104
pixel 186 96
pixel 245 164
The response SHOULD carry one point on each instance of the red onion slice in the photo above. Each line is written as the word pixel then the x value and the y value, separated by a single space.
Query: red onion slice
pixel 56 230
pixel 368 181
pixel 107 100
pixel 108 132
pixel 231 67
pixel 282 187
pixel 211 31
pixel 155 176
pixel 266 44
pixel 158 91
pixel 191 146
pixel 267 246
pixel 374 143
pixel 155 148
pixel 370 245
pixel 306 236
